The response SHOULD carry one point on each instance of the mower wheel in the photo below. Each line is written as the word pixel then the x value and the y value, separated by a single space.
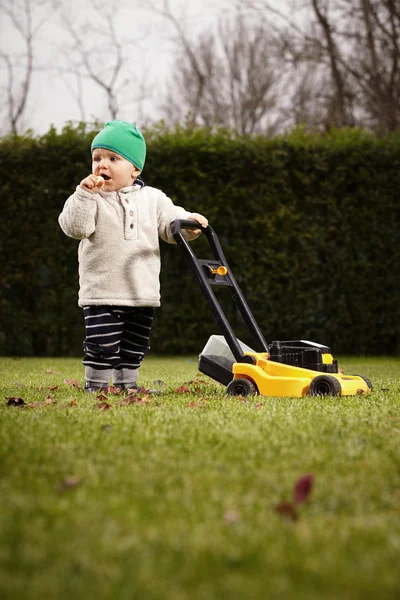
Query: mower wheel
pixel 325 385
pixel 241 387
pixel 367 381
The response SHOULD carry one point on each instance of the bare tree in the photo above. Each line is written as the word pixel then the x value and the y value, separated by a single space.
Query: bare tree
pixel 26 18
pixel 374 65
pixel 354 55
pixel 99 55
pixel 228 77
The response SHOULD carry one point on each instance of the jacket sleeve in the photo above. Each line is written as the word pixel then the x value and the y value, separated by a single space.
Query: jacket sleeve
pixel 167 212
pixel 78 217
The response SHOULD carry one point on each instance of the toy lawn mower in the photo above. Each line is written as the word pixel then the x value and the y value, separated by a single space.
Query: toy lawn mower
pixel 282 368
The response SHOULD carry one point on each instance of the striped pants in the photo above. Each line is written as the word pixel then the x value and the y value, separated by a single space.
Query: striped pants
pixel 116 341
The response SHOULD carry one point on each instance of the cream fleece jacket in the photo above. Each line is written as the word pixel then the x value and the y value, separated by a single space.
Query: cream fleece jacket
pixel 119 254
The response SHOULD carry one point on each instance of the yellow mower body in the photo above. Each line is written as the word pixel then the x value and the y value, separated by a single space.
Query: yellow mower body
pixel 278 379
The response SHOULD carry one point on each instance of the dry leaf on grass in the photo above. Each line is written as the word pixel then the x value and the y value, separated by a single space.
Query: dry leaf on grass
pixel 231 516
pixel 287 510
pixel 34 404
pixel 41 404
pixel 303 488
pixel 135 398
pixel 193 404
pixel 15 401
pixel 103 405
pixel 74 382
pixel 202 381
pixel 68 483
pixel 301 492
pixel 200 403
pixel 113 390
pixel 183 389
pixel 50 400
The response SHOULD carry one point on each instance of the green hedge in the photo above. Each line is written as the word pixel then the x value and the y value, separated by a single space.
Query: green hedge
pixel 310 225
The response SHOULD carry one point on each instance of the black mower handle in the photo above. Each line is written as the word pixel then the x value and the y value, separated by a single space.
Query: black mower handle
pixel 186 224
pixel 179 224
pixel 206 283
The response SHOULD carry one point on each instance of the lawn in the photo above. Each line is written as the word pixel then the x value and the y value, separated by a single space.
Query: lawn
pixel 180 495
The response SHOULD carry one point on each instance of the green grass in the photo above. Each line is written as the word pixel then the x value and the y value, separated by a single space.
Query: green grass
pixel 176 497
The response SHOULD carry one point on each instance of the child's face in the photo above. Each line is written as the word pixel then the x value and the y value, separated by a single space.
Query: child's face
pixel 116 171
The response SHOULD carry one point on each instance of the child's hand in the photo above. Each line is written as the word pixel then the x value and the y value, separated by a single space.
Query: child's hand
pixel 202 220
pixel 92 183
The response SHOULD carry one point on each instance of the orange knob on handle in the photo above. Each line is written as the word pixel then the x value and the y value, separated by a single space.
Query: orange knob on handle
pixel 220 271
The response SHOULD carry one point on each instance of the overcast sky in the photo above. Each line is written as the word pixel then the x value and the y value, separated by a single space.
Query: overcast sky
pixel 150 56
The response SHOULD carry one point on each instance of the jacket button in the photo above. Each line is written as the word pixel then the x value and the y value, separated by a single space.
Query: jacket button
pixel 131 213
pixel 131 225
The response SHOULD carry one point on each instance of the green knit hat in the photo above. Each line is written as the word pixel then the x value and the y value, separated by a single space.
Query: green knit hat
pixel 123 138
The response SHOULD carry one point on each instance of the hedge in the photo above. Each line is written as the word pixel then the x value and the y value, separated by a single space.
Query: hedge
pixel 309 223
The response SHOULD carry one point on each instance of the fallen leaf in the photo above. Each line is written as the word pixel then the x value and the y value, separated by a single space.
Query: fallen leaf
pixel 14 401
pixel 68 483
pixel 132 393
pixel 193 404
pixel 303 488
pixel 231 516
pixel 198 403
pixel 182 390
pixel 113 389
pixel 73 402
pixel 202 381
pixel 141 390
pixel 50 400
pixel 134 398
pixel 259 405
pixel 287 510
pixel 48 387
pixel 128 400
pixel 74 382
pixel 103 405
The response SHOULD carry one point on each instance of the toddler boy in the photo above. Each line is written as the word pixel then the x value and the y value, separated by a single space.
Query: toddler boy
pixel 119 221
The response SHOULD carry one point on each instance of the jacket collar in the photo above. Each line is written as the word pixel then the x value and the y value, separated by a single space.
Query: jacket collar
pixel 139 183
